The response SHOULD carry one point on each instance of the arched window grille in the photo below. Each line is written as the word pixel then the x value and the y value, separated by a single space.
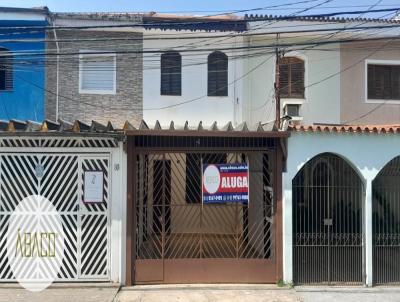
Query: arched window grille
pixel 171 73
pixel 217 74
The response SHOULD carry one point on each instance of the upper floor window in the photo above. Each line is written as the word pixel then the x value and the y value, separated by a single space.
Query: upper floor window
pixel 97 73
pixel 217 74
pixel 291 77
pixel 6 70
pixel 383 82
pixel 171 73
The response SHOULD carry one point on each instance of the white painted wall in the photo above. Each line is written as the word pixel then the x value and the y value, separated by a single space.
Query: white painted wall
pixel 200 107
pixel 368 153
pixel 322 100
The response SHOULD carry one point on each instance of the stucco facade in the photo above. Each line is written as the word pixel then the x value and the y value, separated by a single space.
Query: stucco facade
pixel 355 106
pixel 193 104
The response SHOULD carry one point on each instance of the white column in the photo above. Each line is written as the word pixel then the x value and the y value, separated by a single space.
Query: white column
pixel 368 232
pixel 287 229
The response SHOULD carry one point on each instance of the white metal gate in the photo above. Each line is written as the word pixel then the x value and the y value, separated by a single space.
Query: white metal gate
pixel 86 226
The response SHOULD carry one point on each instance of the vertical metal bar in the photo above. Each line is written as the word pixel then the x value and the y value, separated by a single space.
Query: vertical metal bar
pixel 163 184
pixel 201 208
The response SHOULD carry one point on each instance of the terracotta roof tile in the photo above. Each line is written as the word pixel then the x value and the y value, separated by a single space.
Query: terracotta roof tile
pixel 346 128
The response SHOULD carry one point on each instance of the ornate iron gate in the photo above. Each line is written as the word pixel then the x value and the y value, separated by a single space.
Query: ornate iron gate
pixel 327 222
pixel 86 253
pixel 386 224
pixel 178 239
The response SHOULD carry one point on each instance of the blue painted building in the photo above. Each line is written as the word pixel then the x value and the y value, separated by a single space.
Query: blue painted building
pixel 22 63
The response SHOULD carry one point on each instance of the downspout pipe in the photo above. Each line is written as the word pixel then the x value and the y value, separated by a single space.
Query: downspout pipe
pixel 57 70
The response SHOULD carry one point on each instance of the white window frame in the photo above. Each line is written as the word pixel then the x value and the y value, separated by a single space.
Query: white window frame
pixel 91 53
pixel 377 62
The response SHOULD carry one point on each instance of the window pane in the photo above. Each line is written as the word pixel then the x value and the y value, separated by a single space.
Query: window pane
pixel 97 73
pixel 383 82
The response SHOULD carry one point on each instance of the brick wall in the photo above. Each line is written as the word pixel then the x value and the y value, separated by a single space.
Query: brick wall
pixel 126 104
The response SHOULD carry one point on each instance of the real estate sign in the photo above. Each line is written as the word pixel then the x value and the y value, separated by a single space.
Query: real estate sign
pixel 224 183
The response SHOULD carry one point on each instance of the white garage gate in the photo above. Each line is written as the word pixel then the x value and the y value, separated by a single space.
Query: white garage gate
pixel 54 167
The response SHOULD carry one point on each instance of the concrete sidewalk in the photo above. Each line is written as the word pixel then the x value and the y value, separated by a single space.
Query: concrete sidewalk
pixel 348 294
pixel 105 292
pixel 60 292
pixel 203 293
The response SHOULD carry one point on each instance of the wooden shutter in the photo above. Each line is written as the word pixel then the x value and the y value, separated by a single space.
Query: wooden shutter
pixel 171 73
pixel 291 77
pixel 383 82
pixel 217 74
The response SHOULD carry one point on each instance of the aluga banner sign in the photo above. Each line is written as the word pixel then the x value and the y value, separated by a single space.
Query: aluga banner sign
pixel 225 183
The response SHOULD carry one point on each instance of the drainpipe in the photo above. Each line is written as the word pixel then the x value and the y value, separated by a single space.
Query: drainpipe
pixel 58 57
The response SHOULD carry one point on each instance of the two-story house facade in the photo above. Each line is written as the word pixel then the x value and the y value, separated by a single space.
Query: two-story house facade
pixel 22 70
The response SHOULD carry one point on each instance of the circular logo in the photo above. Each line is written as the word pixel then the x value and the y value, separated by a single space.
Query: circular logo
pixel 211 179
pixel 35 243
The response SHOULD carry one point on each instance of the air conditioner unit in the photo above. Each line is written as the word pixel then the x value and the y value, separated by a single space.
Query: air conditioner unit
pixel 292 110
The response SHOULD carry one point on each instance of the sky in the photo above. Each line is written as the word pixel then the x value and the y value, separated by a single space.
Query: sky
pixel 203 7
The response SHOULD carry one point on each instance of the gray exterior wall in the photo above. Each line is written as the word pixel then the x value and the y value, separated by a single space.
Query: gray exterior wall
pixel 125 104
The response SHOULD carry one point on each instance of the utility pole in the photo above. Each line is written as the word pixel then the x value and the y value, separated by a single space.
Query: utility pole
pixel 277 86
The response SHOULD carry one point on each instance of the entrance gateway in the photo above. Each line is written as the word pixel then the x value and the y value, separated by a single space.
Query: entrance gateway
pixel 174 237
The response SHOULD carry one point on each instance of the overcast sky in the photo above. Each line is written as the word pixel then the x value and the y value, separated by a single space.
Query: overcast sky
pixel 203 7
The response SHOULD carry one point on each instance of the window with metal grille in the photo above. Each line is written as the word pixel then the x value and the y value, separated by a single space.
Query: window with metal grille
pixel 383 82
pixel 193 172
pixel 217 74
pixel 171 73
pixel 97 73
pixel 6 70
pixel 291 77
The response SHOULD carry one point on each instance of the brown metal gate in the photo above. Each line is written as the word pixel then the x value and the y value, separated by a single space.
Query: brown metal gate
pixel 177 239
pixel 327 222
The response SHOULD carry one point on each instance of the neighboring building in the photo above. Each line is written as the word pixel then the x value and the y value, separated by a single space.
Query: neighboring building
pixel 341 205
pixel 98 74
pixel 51 159
pixel 22 72
pixel 331 83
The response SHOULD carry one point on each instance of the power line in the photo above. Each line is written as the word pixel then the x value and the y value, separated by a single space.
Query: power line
pixel 206 50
